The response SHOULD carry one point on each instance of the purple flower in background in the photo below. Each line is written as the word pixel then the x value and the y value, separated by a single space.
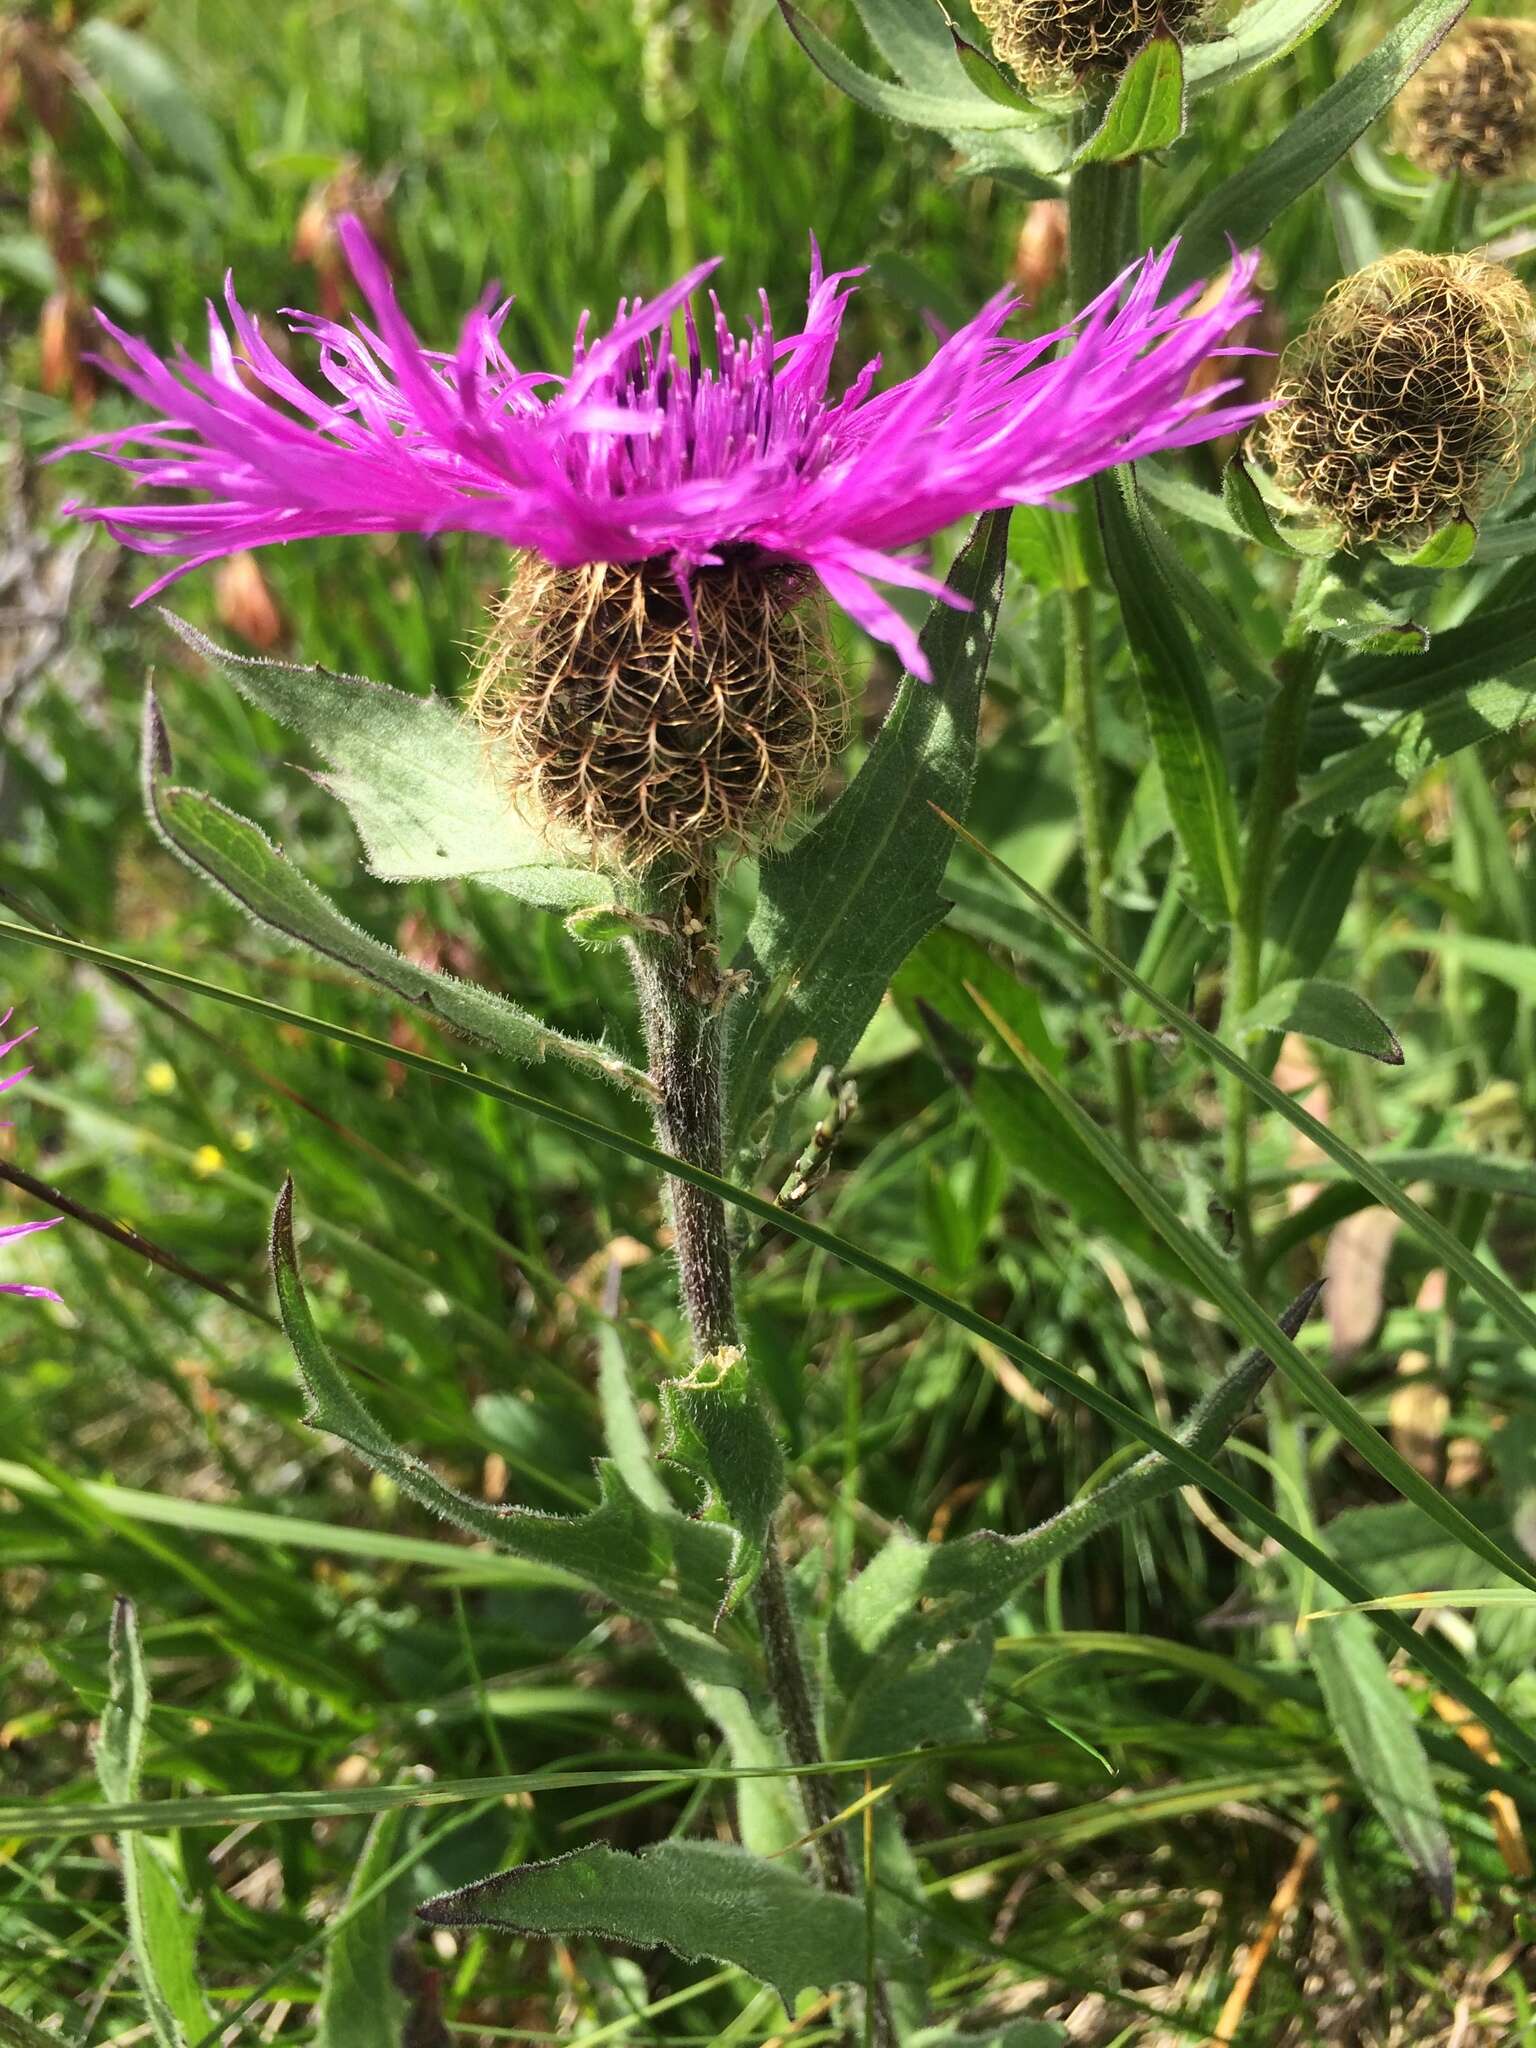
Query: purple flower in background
pixel 645 452
pixel 10 1230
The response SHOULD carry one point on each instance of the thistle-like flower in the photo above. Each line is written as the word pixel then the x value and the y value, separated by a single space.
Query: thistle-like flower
pixel 1054 46
pixel 13 1230
pixel 1407 402
pixel 1470 112
pixel 657 673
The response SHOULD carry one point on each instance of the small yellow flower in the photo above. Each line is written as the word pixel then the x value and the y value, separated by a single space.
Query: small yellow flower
pixel 206 1160
pixel 160 1077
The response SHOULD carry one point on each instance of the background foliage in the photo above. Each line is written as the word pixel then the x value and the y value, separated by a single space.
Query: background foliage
pixel 1160 1750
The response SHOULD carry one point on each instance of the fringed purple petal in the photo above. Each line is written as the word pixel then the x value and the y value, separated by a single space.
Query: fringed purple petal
pixel 642 452
pixel 26 1229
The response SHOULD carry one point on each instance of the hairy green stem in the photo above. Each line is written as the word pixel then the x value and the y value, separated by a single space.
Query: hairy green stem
pixel 1274 790
pixel 1080 715
pixel 682 990
pixel 1218 1413
pixel 677 973
pixel 1106 207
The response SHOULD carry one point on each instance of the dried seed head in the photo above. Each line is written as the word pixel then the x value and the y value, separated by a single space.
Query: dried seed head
pixel 1053 45
pixel 615 716
pixel 1407 402
pixel 1470 112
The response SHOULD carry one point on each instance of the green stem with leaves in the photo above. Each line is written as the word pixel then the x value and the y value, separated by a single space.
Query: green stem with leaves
pixel 682 994
pixel 1106 206
pixel 1285 723
pixel 1080 715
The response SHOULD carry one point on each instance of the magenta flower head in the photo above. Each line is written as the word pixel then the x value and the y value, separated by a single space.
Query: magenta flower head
pixel 10 1230
pixel 677 504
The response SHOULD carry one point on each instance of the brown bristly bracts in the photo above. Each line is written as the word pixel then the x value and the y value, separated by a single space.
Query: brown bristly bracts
pixel 1408 400
pixel 614 712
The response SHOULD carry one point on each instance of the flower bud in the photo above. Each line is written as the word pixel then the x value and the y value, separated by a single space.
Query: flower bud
pixel 35 74
pixel 651 720
pixel 1041 254
pixel 349 191
pixel 244 602
pixel 1053 46
pixel 1470 112
pixel 1407 402
pixel 63 338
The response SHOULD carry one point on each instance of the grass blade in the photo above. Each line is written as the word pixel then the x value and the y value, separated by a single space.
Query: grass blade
pixel 1489 1285
pixel 162 1933
pixel 1260 1329
pixel 1198 1470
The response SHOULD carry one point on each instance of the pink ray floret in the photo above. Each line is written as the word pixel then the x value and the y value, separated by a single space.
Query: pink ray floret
pixel 10 1230
pixel 644 450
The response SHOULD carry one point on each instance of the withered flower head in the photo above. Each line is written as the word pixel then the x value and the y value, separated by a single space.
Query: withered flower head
pixel 1053 46
pixel 1407 402
pixel 1470 112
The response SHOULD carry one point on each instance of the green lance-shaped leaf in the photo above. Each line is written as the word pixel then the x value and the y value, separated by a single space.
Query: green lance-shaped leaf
pixel 1336 608
pixel 916 1604
pixel 917 42
pixel 1219 629
pixel 162 1930
pixel 1475 678
pixel 413 774
pixel 1034 1140
pixel 838 914
pixel 985 72
pixel 1245 208
pixel 1329 1011
pixel 1259 34
pixel 703 1900
pixel 242 862
pixel 360 2006
pixel 1451 548
pixel 1181 716
pixel 992 131
pixel 651 1562
pixel 623 1431
pixel 1376 1729
pixel 1147 109
pixel 1397 757
pixel 718 1429
pixel 1310 896
pixel 957 103
pixel 1250 513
